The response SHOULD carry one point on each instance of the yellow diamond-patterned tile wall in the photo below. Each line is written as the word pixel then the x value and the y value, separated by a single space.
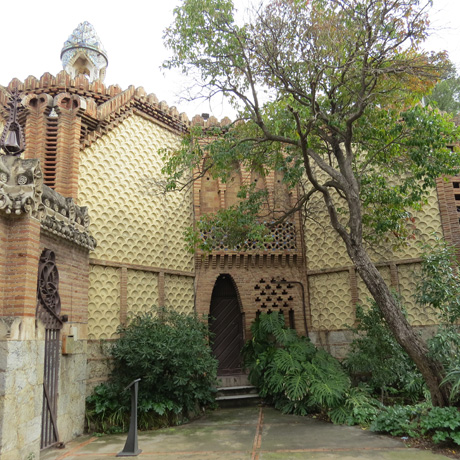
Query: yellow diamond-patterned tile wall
pixel 103 302
pixel 131 221
pixel 142 291
pixel 179 293
pixel 331 305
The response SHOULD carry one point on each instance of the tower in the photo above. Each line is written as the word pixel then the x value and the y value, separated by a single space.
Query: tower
pixel 84 54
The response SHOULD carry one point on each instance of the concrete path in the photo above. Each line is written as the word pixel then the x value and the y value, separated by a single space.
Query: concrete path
pixel 248 433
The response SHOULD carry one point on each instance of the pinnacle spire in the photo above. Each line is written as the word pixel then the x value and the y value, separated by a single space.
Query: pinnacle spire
pixel 84 54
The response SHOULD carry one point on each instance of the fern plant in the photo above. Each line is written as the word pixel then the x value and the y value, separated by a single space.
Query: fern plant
pixel 294 376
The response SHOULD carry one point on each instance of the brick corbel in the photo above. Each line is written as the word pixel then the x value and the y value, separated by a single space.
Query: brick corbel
pixel 37 108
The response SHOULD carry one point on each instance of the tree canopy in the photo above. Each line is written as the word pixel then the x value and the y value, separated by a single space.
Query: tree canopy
pixel 446 94
pixel 329 92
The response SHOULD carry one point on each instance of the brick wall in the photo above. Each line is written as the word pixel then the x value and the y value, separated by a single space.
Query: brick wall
pixel 73 264
pixel 251 275
pixel 449 207
pixel 20 254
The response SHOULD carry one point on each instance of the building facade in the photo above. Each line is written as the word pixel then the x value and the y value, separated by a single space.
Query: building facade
pixel 88 239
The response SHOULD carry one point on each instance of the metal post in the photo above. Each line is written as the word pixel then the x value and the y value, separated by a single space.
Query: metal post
pixel 131 449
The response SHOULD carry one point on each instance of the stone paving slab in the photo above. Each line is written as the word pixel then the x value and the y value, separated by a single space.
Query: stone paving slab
pixel 401 454
pixel 248 433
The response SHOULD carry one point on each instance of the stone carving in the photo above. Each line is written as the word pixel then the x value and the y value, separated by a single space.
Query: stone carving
pixel 22 191
pixel 6 325
pixel 64 218
pixel 20 185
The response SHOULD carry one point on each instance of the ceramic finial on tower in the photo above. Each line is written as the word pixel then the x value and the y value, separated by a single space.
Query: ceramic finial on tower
pixel 84 54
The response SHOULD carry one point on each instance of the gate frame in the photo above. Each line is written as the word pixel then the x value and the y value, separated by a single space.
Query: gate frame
pixel 48 311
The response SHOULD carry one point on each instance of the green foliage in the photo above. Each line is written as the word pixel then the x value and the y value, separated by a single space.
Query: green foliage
pixel 443 423
pixel 297 378
pixel 399 420
pixel 445 347
pixel 328 93
pixel 107 409
pixel 438 288
pixel 357 408
pixel 453 378
pixel 330 78
pixel 234 227
pixel 376 357
pixel 446 94
pixel 169 352
pixel 439 285
pixel 440 423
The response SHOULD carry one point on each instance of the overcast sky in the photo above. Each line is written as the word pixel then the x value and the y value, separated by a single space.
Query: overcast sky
pixel 34 32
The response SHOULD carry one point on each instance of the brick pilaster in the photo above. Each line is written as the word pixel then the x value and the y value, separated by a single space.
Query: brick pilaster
pixel 37 109
pixel 123 295
pixel 22 253
pixel 161 289
pixel 69 109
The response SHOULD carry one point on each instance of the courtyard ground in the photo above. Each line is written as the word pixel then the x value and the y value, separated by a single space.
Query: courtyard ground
pixel 248 433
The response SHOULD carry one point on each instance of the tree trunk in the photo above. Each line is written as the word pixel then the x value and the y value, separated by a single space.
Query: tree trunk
pixel 431 370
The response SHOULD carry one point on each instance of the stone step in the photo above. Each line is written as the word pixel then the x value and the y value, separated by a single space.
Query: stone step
pixel 236 388
pixel 237 395
pixel 233 380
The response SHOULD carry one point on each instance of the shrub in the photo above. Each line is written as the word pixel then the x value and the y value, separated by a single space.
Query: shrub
pixel 440 423
pixel 169 352
pixel 443 423
pixel 376 357
pixel 399 420
pixel 297 378
pixel 357 407
pixel 438 288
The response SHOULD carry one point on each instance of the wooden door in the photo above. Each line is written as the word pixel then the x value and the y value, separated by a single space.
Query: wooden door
pixel 226 323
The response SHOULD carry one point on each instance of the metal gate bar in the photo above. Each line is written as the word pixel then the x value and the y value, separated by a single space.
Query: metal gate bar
pixel 50 435
pixel 48 310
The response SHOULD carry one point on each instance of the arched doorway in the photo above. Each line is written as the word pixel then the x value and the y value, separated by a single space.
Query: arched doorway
pixel 226 323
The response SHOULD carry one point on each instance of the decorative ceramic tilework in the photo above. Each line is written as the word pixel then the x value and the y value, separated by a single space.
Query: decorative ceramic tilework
pixel 324 247
pixel 142 291
pixel 363 292
pixel 179 293
pixel 418 315
pixel 104 302
pixel 131 222
pixel 326 250
pixel 428 224
pixel 84 37
pixel 331 306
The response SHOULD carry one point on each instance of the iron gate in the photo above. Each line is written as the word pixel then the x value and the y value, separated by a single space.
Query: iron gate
pixel 48 310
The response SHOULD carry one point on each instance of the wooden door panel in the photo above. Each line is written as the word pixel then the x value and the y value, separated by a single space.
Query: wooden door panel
pixel 227 326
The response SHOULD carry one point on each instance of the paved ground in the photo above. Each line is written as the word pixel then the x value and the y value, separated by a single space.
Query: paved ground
pixel 248 433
